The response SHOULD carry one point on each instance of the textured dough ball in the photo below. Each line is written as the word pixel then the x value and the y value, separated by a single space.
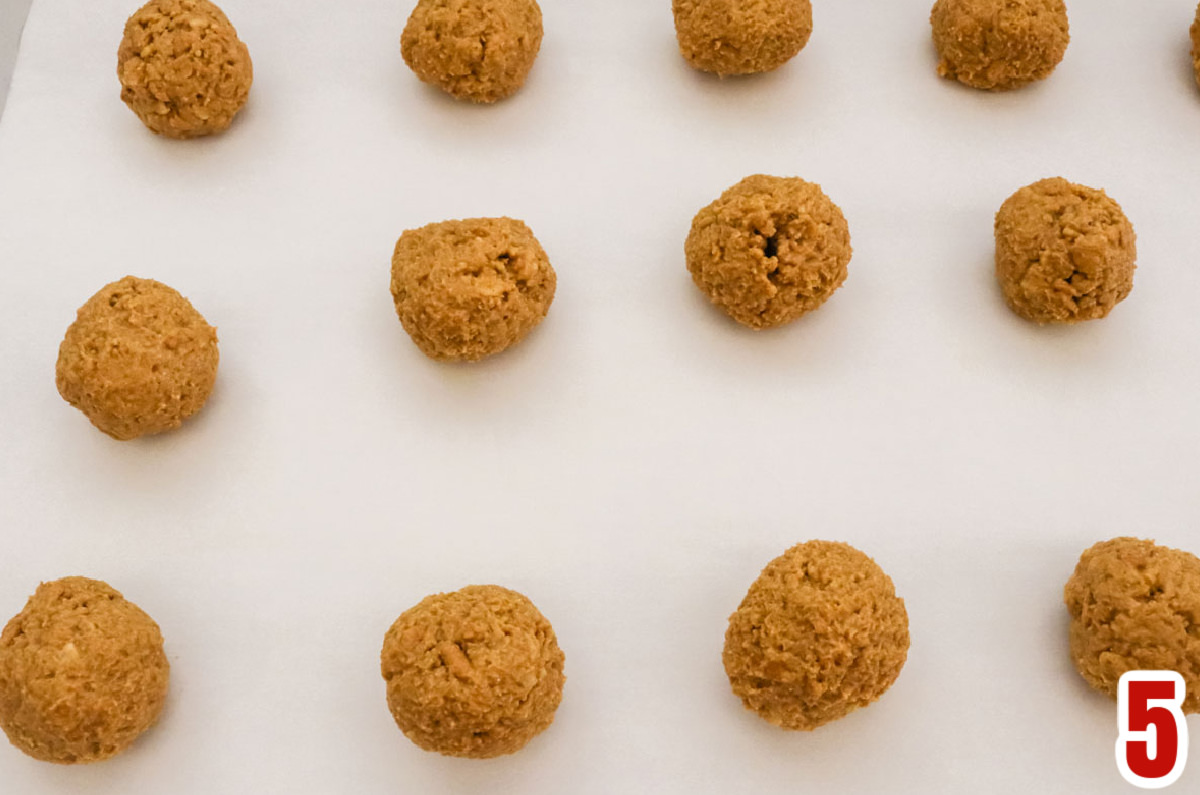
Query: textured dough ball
pixel 769 250
pixel 820 633
pixel 183 70
pixel 481 50
pixel 1135 606
pixel 468 289
pixel 139 359
pixel 999 44
pixel 1195 31
pixel 475 673
pixel 1064 252
pixel 82 673
pixel 733 37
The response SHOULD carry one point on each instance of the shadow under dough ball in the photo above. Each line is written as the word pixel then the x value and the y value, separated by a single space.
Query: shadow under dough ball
pixel 474 673
pixel 468 289
pixel 1134 607
pixel 478 50
pixel 183 70
pixel 738 37
pixel 1064 252
pixel 82 673
pixel 820 633
pixel 138 360
pixel 999 44
pixel 769 250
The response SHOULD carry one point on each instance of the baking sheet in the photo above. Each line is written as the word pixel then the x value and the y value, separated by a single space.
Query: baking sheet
pixel 638 459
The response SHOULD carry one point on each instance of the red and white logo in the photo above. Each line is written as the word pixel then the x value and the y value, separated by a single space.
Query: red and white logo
pixel 1152 743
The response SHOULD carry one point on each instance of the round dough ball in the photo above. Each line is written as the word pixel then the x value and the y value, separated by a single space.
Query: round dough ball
pixel 1135 606
pixel 820 633
pixel 82 673
pixel 475 673
pixel 1064 252
pixel 730 37
pixel 479 50
pixel 999 44
pixel 138 360
pixel 769 250
pixel 468 289
pixel 183 70
pixel 1195 31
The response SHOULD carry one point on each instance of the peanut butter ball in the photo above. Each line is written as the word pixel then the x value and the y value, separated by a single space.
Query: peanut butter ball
pixel 820 633
pixel 1064 252
pixel 999 44
pixel 769 250
pixel 82 673
pixel 138 360
pixel 733 37
pixel 468 289
pixel 183 70
pixel 478 50
pixel 475 673
pixel 1135 606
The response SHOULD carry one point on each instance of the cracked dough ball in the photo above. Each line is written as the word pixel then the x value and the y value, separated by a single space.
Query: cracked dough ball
pixel 820 633
pixel 1064 252
pixel 82 673
pixel 474 673
pixel 468 289
pixel 138 359
pixel 1135 606
pixel 480 50
pixel 769 250
pixel 999 44
pixel 734 37
pixel 183 70
pixel 1195 31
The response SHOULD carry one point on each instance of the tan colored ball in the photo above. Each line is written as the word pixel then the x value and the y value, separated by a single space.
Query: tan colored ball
pixel 82 673
pixel 999 44
pixel 1135 606
pixel 183 69
pixel 477 50
pixel 138 360
pixel 1064 252
pixel 1195 34
pixel 474 673
pixel 820 633
pixel 769 250
pixel 736 37
pixel 468 289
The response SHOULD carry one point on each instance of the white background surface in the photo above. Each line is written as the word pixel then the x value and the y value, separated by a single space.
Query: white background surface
pixel 637 460
pixel 12 18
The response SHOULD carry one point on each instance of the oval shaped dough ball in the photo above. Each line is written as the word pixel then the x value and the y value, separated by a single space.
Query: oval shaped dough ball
pixel 473 673
pixel 728 37
pixel 138 360
pixel 1195 31
pixel 820 633
pixel 999 44
pixel 1064 252
pixel 769 250
pixel 82 673
pixel 183 69
pixel 468 289
pixel 1134 606
pixel 479 50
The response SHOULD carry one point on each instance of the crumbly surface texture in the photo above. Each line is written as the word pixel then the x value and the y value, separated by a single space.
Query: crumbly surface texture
pixel 769 250
pixel 138 360
pixel 999 44
pixel 735 37
pixel 183 69
pixel 1135 606
pixel 82 673
pixel 1195 31
pixel 1064 252
pixel 478 50
pixel 820 633
pixel 474 673
pixel 468 289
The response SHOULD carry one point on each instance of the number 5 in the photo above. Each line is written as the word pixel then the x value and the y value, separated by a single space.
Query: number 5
pixel 1152 741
